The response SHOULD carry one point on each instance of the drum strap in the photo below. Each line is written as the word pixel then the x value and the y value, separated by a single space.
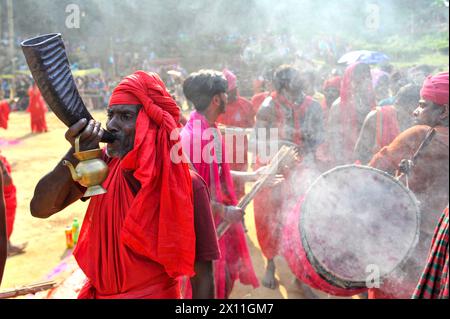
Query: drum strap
pixel 405 167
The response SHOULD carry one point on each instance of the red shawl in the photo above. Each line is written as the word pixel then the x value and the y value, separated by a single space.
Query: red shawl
pixel 348 113
pixel 387 128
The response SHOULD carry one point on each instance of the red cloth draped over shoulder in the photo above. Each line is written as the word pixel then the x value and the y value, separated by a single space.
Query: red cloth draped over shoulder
pixel 299 112
pixel 4 114
pixel 387 128
pixel 348 113
pixel 9 192
pixel 144 240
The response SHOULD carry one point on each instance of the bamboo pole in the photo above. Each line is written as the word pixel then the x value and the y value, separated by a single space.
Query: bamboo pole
pixel 27 289
pixel 284 156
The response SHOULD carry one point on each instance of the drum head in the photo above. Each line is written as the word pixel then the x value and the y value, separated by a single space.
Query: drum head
pixel 356 221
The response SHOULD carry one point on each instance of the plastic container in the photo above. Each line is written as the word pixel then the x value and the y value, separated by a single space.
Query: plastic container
pixel 75 230
pixel 69 237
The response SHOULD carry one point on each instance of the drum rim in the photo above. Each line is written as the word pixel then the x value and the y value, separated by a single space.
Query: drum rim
pixel 321 270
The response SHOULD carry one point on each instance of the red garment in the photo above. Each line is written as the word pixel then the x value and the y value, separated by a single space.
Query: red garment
pixel 238 114
pixel 348 119
pixel 136 243
pixel 9 193
pixel 435 88
pixel 168 193
pixel 268 202
pixel 4 114
pixel 235 257
pixel 37 110
pixel 258 99
pixel 114 269
pixel 387 128
pixel 295 255
pixel 299 112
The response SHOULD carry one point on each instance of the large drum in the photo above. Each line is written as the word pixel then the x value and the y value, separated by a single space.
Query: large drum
pixel 358 225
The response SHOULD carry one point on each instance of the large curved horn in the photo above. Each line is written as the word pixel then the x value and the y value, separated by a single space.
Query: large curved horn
pixel 46 57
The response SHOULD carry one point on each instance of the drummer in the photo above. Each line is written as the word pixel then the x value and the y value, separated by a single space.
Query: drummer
pixel 299 120
pixel 428 179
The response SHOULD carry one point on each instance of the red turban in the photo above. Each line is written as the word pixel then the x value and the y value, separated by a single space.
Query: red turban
pixel 334 82
pixel 231 78
pixel 435 88
pixel 160 222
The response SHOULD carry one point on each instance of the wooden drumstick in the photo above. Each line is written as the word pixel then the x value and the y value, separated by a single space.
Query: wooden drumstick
pixel 284 156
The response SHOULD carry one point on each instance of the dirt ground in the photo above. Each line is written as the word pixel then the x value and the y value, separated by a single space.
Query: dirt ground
pixel 34 155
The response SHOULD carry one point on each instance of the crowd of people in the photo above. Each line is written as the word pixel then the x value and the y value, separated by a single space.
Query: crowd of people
pixel 154 233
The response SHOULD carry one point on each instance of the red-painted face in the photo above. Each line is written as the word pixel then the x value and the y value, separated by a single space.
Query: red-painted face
pixel 122 123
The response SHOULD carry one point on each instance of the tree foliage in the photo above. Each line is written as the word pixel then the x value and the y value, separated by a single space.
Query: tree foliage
pixel 203 29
